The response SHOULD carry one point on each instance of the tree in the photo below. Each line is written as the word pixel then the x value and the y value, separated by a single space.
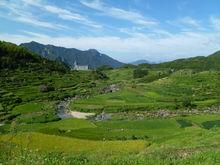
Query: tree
pixel 104 68
pixel 139 73
pixel 187 103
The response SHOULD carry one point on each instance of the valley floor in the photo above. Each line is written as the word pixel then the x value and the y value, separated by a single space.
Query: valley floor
pixel 180 140
pixel 173 119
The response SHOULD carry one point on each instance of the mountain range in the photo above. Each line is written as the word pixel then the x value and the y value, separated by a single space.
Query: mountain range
pixel 27 55
pixel 69 56
pixel 138 62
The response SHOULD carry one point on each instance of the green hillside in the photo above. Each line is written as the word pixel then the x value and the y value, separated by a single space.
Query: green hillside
pixel 15 57
pixel 199 89
pixel 200 63
pixel 28 80
pixel 148 114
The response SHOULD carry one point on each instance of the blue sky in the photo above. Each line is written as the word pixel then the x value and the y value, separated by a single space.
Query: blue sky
pixel 127 30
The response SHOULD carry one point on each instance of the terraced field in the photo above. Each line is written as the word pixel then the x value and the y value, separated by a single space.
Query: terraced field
pixel 200 90
pixel 117 140
pixel 164 117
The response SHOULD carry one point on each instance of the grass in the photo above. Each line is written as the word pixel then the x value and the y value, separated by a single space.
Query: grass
pixel 65 124
pixel 184 123
pixel 201 89
pixel 35 132
pixel 24 156
pixel 27 108
pixel 79 141
pixel 199 119
pixel 70 145
pixel 211 124
pixel 123 129
pixel 201 145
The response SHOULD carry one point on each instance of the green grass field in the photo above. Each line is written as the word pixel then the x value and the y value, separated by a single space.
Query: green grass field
pixel 120 141
pixel 33 133
pixel 166 93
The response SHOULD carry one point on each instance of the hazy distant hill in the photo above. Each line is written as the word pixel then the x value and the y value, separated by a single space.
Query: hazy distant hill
pixel 91 57
pixel 140 62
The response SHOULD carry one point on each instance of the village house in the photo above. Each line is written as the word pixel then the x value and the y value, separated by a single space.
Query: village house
pixel 80 67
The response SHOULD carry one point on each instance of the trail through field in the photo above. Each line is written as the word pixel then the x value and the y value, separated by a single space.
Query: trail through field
pixel 65 112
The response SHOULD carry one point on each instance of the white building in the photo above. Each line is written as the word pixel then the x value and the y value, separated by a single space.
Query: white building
pixel 80 67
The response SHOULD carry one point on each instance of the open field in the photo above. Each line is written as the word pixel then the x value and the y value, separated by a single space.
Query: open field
pixel 97 142
pixel 170 92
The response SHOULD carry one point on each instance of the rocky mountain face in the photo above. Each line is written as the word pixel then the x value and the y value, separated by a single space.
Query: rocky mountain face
pixel 91 57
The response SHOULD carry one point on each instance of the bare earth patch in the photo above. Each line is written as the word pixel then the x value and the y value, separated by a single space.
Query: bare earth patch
pixel 65 112
pixel 81 115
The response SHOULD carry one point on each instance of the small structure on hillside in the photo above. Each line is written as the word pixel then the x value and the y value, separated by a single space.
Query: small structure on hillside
pixel 103 116
pixel 110 89
pixel 80 67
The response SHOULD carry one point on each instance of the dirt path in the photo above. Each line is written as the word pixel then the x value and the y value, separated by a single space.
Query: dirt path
pixel 65 112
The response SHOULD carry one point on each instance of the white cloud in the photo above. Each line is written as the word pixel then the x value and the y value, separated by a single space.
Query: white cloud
pixel 35 22
pixel 171 47
pixel 23 10
pixel 215 21
pixel 19 13
pixel 144 39
pixel 68 15
pixel 186 22
pixel 119 13
pixel 190 21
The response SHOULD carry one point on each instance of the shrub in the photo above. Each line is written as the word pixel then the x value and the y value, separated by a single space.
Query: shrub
pixel 187 103
pixel 127 66
pixel 104 67
pixel 46 88
pixel 99 75
pixel 139 73
pixel 134 137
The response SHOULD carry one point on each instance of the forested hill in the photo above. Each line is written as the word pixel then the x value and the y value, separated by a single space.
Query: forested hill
pixel 211 62
pixel 17 57
pixel 13 57
pixel 90 57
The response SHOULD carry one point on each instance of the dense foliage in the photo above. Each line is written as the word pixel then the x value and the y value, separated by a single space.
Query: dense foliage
pixel 139 73
pixel 197 63
pixel 16 57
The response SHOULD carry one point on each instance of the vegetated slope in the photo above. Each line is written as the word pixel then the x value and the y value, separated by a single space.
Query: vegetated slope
pixel 200 63
pixel 36 83
pixel 37 133
pixel 159 89
pixel 91 57
pixel 22 73
pixel 17 57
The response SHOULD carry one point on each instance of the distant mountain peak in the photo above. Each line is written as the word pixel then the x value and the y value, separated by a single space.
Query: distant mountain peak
pixel 142 61
pixel 91 57
pixel 93 50
pixel 34 42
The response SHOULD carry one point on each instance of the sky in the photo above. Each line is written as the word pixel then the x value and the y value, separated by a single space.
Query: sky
pixel 127 30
